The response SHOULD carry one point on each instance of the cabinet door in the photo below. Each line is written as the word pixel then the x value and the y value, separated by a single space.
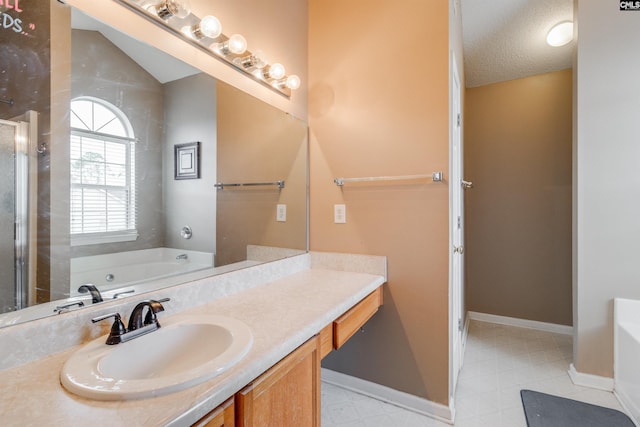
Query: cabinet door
pixel 222 416
pixel 287 395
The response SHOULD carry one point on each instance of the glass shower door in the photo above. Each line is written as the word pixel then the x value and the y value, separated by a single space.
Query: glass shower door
pixel 8 289
pixel 17 192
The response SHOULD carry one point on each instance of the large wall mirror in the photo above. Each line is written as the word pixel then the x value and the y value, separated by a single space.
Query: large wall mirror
pixel 139 172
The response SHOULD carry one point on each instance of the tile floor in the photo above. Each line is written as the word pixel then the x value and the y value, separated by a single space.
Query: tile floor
pixel 499 361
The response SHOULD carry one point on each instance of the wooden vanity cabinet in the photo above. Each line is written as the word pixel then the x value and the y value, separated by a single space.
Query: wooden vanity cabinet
pixel 222 416
pixel 287 395
pixel 326 340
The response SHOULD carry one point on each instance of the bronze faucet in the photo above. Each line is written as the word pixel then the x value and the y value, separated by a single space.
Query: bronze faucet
pixel 137 326
pixel 95 293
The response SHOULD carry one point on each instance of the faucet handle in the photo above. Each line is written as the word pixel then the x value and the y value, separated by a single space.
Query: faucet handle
pixel 117 329
pixel 151 317
pixel 66 307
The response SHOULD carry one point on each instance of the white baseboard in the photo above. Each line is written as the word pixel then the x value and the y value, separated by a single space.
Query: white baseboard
pixel 589 380
pixel 521 323
pixel 631 408
pixel 398 398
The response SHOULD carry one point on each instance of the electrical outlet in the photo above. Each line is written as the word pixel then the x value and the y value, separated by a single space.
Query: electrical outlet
pixel 281 213
pixel 339 214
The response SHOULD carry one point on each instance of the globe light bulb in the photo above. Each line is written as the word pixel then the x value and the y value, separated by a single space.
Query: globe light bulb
pixel 237 44
pixel 276 71
pixel 293 82
pixel 210 26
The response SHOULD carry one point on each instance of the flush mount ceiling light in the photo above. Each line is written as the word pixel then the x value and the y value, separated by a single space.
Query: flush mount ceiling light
pixel 206 34
pixel 561 34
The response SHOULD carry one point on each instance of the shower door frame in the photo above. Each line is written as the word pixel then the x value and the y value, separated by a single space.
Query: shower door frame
pixel 26 190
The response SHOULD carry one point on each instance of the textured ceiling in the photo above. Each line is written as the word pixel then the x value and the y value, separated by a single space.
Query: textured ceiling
pixel 506 39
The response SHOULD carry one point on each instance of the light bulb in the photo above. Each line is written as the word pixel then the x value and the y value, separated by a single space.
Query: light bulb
pixel 275 71
pixel 560 34
pixel 210 26
pixel 169 8
pixel 293 82
pixel 237 44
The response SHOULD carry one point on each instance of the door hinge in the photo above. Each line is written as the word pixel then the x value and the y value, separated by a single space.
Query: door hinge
pixel 459 222
pixel 458 119
pixel 460 326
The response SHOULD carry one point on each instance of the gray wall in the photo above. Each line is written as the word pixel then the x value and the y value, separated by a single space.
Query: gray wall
pixel 101 70
pixel 190 115
pixel 606 181
pixel 518 215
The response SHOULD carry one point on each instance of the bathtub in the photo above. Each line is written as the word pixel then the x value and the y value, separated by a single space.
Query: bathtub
pixel 133 266
pixel 626 355
pixel 121 269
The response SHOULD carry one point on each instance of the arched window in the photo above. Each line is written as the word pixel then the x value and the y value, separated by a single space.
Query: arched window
pixel 102 167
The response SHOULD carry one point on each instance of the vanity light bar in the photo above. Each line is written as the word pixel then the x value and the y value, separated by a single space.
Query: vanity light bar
pixel 206 34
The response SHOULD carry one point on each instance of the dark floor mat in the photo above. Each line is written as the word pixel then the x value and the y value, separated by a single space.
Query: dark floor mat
pixel 545 410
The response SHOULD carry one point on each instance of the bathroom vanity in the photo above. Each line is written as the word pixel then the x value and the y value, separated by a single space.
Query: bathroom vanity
pixel 298 309
pixel 289 392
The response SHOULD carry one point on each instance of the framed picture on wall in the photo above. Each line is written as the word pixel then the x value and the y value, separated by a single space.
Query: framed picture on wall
pixel 187 160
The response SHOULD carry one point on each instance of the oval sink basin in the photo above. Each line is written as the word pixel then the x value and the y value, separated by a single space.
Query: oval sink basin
pixel 185 351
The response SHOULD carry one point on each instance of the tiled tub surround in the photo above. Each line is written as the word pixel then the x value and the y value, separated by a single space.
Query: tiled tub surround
pixel 284 303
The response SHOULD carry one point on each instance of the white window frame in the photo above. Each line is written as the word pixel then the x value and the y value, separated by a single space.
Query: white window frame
pixel 130 233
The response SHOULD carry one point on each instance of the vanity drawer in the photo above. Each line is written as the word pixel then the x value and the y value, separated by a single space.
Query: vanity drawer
pixel 349 323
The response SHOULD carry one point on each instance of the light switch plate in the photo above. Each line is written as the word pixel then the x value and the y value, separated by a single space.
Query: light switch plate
pixel 281 213
pixel 339 214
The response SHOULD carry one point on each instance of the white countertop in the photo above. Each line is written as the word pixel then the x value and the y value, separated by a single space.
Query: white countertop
pixel 282 315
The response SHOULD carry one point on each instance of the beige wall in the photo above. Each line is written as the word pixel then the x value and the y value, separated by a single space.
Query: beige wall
pixel 606 156
pixel 518 215
pixel 379 105
pixel 258 143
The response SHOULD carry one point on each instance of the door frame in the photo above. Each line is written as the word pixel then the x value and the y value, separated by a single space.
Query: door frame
pixel 456 290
